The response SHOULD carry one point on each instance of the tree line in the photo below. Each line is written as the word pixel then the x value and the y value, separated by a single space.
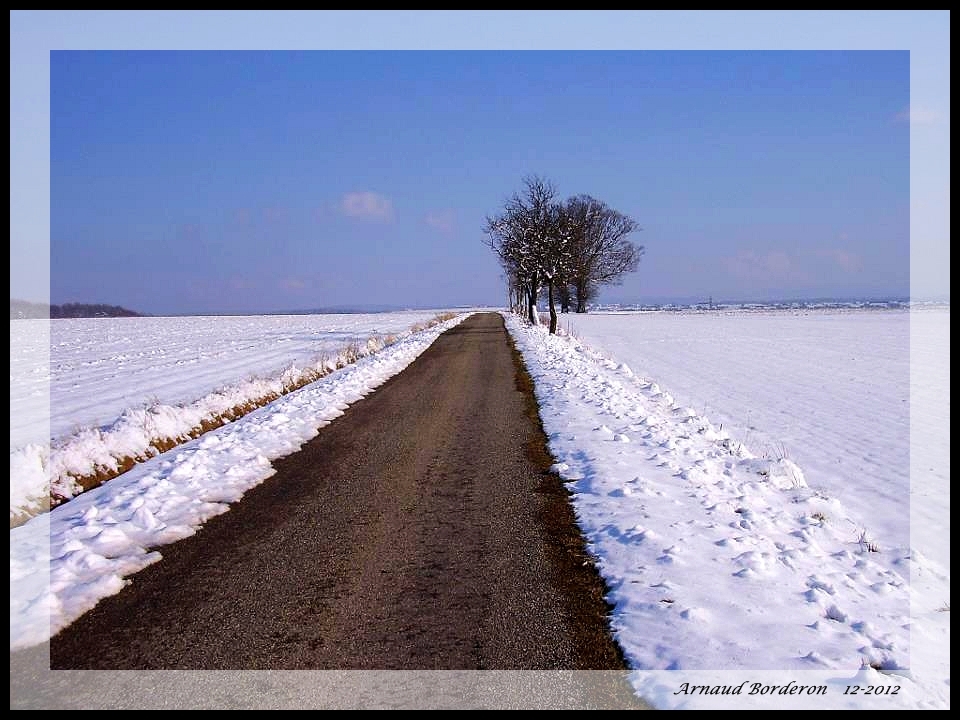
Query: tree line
pixel 22 309
pixel 565 249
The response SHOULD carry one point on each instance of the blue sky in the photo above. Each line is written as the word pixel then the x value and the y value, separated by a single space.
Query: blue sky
pixel 270 179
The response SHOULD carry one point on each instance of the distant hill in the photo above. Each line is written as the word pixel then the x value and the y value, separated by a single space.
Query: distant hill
pixel 21 309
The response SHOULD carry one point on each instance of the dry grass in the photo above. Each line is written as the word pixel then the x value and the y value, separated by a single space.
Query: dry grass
pixel 435 320
pixel 866 544
pixel 349 354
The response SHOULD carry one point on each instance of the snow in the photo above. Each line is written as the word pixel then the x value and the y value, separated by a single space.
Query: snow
pixel 762 510
pixel 107 388
pixel 766 490
pixel 63 562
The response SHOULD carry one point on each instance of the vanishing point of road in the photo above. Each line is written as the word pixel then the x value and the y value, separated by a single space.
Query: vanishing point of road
pixel 420 532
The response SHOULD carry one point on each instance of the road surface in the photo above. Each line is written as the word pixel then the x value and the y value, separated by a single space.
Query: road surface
pixel 419 533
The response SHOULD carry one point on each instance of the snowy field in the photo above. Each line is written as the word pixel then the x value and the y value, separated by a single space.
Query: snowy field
pixel 767 494
pixel 63 561
pixel 85 391
pixel 763 508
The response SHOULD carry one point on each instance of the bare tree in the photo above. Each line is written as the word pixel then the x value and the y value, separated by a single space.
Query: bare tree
pixel 548 236
pixel 506 237
pixel 562 248
pixel 531 240
pixel 601 252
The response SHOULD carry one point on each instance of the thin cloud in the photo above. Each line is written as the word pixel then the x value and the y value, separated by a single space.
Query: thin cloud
pixel 756 265
pixel 367 206
pixel 442 220
pixel 842 259
pixel 919 116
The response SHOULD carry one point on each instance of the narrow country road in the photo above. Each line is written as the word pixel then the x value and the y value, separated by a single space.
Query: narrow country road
pixel 420 531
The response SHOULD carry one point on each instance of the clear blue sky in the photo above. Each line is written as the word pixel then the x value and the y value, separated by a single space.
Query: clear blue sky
pixel 239 180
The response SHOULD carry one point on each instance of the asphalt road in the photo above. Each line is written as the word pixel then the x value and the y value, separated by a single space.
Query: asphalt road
pixel 420 533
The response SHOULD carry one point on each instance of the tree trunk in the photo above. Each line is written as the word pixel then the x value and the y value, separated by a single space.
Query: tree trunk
pixel 564 291
pixel 583 294
pixel 553 307
pixel 532 314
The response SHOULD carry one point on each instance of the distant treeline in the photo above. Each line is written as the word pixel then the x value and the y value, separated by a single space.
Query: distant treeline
pixel 23 309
